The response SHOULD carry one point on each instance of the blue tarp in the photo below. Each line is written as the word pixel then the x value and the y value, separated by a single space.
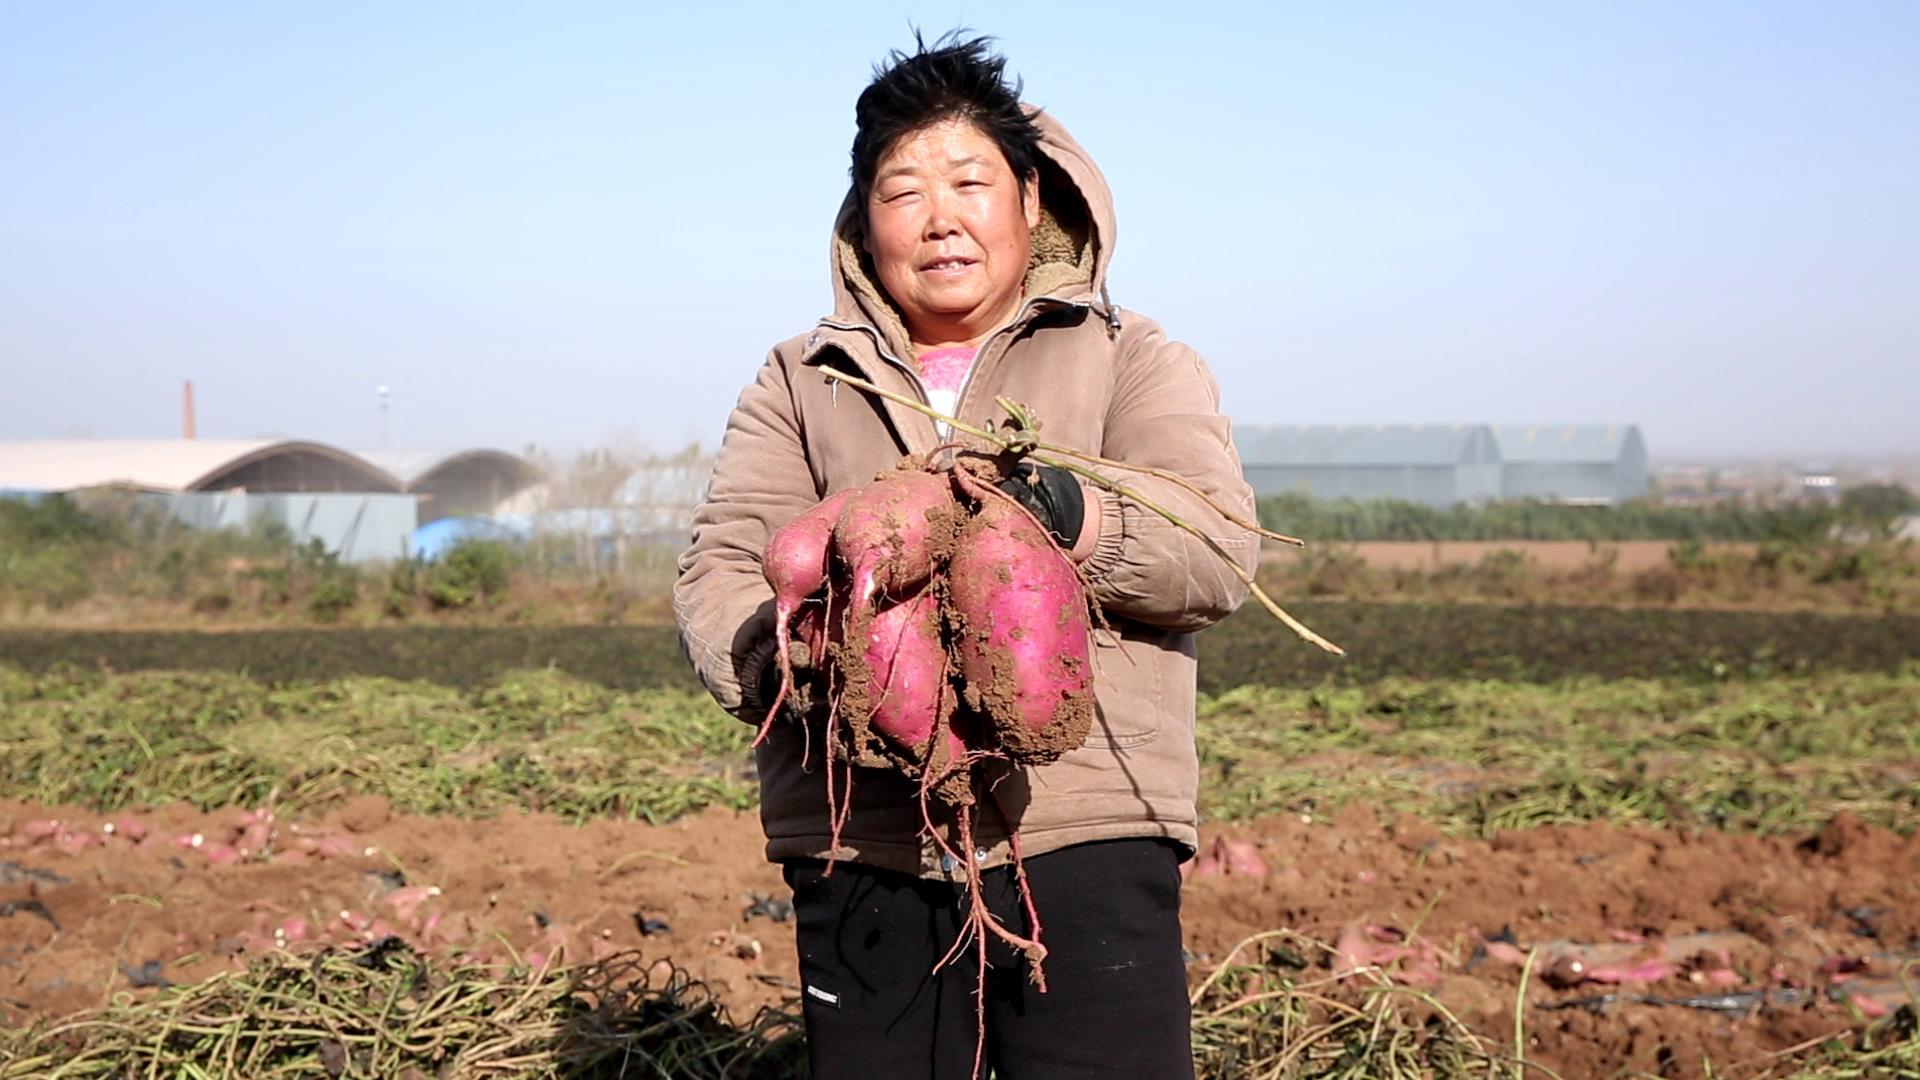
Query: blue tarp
pixel 437 537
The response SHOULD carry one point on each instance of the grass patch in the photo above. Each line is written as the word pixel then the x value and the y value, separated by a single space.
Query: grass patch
pixel 533 740
pixel 1773 755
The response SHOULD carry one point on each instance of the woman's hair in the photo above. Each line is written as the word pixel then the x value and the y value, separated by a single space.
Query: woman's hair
pixel 955 79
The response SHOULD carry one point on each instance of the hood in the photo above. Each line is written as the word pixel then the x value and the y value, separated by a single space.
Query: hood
pixel 1072 243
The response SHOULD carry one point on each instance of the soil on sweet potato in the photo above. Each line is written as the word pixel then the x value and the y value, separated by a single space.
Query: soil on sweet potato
pixel 991 683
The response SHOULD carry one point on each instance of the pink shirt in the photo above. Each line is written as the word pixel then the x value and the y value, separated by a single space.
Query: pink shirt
pixel 942 371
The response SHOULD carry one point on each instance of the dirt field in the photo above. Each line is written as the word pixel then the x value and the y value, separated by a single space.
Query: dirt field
pixel 1783 941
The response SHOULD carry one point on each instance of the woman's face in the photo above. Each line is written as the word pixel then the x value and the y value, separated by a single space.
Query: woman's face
pixel 948 228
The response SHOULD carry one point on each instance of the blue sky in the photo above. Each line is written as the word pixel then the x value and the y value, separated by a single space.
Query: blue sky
pixel 570 224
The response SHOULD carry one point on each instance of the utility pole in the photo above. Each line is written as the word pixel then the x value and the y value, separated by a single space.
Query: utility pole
pixel 386 426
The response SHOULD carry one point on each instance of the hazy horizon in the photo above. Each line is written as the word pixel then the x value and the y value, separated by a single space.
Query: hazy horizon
pixel 570 226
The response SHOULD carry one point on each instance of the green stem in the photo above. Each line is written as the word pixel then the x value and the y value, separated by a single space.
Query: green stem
pixel 1005 443
pixel 1027 444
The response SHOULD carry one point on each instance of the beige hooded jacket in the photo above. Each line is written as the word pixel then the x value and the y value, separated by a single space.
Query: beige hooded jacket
pixel 1099 379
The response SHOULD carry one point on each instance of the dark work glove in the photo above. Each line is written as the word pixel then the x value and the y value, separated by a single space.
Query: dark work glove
pixel 807 690
pixel 1054 497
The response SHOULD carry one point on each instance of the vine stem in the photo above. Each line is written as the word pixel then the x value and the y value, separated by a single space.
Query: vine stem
pixel 1005 443
pixel 1077 462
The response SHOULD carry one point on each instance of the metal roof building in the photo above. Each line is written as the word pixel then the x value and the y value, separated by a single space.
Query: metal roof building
pixel 178 465
pixel 316 492
pixel 1599 464
pixel 363 506
pixel 1435 464
pixel 364 509
pixel 1442 465
pixel 462 482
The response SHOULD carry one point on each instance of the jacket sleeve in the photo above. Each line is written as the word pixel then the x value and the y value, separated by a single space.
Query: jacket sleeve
pixel 721 600
pixel 1165 413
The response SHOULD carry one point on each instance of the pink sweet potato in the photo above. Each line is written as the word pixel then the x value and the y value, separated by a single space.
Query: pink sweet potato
pixel 796 564
pixel 799 555
pixel 907 667
pixel 889 535
pixel 923 605
pixel 807 634
pixel 1021 635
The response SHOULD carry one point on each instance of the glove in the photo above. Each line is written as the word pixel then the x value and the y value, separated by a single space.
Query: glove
pixel 769 683
pixel 806 692
pixel 809 635
pixel 1053 496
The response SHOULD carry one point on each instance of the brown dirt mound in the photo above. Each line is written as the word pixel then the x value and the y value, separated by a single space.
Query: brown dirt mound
pixel 1812 931
pixel 1795 938
pixel 520 885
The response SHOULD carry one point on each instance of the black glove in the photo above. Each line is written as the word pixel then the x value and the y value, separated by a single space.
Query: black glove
pixel 769 682
pixel 807 692
pixel 1054 497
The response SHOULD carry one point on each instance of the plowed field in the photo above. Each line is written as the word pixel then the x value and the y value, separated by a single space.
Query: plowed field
pixel 1652 950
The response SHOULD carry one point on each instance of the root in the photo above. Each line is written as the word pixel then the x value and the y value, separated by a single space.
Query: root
pixel 846 808
pixel 980 921
pixel 806 721
pixel 979 924
pixel 783 648
pixel 933 460
pixel 837 811
pixel 979 998
pixel 1039 972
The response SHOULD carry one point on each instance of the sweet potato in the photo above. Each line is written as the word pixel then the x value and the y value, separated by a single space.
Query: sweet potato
pixel 796 564
pixel 807 634
pixel 917 592
pixel 1021 635
pixel 798 556
pixel 890 535
pixel 904 673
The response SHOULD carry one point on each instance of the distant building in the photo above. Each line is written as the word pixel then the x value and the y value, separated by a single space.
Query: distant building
pixel 183 465
pixel 1443 465
pixel 1435 464
pixel 1815 482
pixel 459 483
pixel 356 507
pixel 1593 464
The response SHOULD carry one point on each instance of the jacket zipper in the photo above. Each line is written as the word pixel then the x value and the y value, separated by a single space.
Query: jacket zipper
pixel 880 346
pixel 980 355
pixel 960 396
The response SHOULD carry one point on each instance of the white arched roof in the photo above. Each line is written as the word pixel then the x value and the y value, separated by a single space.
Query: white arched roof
pixel 416 468
pixel 177 464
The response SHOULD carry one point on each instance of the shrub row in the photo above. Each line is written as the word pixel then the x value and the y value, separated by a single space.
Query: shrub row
pixel 1871 508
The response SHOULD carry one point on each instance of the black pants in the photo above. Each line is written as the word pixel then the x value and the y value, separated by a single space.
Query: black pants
pixel 1116 1000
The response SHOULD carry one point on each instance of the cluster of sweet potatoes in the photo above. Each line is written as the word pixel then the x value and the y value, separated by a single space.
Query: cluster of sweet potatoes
pixel 945 624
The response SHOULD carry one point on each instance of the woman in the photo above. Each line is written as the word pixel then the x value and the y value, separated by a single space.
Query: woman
pixel 969 261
